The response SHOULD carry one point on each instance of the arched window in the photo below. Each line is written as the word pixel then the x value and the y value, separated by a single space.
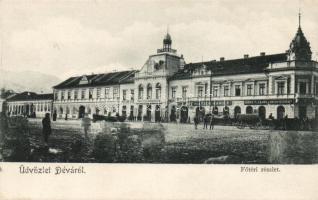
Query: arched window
pixel 249 110
pixel 158 91
pixel 140 92
pixel 149 91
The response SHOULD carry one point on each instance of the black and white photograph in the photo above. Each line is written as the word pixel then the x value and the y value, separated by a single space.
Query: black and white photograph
pixel 160 82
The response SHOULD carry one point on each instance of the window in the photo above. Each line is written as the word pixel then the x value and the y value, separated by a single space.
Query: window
pixel 140 92
pixel 280 88
pixel 98 93
pixel 90 94
pixel 184 92
pixel 69 95
pixel 83 94
pixel 158 91
pixel 124 94
pixel 62 95
pixel 316 88
pixel 215 91
pixel 249 89
pixel 56 95
pixel 149 91
pixel 132 95
pixel 115 93
pixel 173 92
pixel 200 91
pixel 226 91
pixel 302 87
pixel 261 90
pixel 75 94
pixel 237 90
pixel 107 93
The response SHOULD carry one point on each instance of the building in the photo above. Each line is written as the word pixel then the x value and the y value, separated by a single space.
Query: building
pixel 29 104
pixel 166 88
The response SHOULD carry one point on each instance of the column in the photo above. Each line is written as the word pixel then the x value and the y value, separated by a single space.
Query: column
pixel 270 85
pixel 292 84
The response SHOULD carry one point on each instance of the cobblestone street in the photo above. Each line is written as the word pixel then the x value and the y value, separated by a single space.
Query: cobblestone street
pixel 184 144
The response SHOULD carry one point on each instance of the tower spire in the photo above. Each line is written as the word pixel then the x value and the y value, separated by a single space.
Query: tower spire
pixel 299 18
pixel 299 14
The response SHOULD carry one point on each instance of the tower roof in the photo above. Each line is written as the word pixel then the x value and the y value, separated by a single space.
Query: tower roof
pixel 299 46
pixel 167 39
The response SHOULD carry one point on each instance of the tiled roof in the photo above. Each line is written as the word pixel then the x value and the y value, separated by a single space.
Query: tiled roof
pixel 229 67
pixel 29 96
pixel 113 78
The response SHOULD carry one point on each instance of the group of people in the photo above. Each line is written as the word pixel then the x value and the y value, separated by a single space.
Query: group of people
pixel 47 130
pixel 208 120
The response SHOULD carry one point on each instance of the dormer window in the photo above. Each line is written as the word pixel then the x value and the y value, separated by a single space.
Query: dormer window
pixel 84 80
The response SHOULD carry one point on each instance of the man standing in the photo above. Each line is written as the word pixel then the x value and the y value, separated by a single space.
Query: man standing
pixel 205 121
pixel 212 122
pixel 46 131
pixel 86 123
pixel 196 121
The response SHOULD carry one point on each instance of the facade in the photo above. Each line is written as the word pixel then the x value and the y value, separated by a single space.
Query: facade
pixel 167 89
pixel 29 104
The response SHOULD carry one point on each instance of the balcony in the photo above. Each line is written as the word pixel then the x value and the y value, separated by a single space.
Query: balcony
pixel 166 50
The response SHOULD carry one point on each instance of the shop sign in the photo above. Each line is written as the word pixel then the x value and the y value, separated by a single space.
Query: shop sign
pixel 213 103
pixel 266 102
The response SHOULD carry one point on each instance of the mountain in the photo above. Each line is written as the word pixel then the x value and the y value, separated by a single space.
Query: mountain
pixel 28 81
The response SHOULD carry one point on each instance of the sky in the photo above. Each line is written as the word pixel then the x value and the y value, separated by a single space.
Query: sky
pixel 69 38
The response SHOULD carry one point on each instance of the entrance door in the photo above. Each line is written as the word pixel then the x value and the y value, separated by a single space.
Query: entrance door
pixel 81 112
pixel 173 116
pixel 302 112
pixel 280 112
pixel 157 114
pixel 262 112
pixel 149 112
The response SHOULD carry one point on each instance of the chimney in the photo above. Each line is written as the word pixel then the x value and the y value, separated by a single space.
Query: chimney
pixel 245 56
pixel 262 54
pixel 222 59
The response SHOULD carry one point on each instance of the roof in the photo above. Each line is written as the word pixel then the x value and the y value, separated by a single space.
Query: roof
pixel 255 64
pixel 29 96
pixel 113 78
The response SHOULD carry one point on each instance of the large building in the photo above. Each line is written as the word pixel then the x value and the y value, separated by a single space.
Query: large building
pixel 29 104
pixel 165 88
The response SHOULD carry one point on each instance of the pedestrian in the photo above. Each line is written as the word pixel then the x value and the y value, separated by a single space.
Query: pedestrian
pixel 46 131
pixel 271 116
pixel 86 123
pixel 196 122
pixel 285 122
pixel 212 122
pixel 205 121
